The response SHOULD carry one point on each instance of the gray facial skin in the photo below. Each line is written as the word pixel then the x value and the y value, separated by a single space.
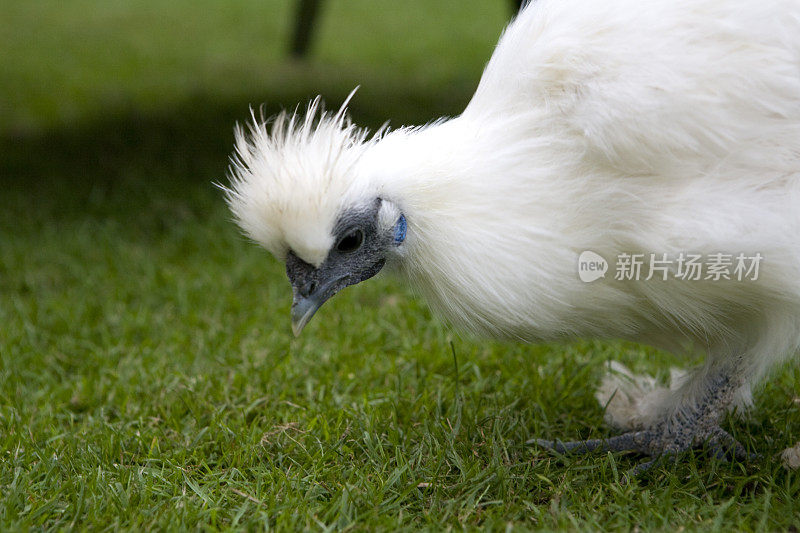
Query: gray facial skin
pixel 358 253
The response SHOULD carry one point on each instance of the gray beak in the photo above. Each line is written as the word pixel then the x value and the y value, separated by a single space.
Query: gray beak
pixel 303 309
pixel 310 297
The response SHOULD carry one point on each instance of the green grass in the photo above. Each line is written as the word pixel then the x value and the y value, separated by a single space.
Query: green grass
pixel 148 376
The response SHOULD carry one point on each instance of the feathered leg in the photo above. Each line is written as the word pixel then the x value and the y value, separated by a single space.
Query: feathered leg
pixel 700 404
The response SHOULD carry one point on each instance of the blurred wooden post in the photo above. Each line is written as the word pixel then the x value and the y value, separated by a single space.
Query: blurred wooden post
pixel 305 16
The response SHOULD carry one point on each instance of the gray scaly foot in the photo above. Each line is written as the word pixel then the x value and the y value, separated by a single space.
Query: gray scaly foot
pixel 689 428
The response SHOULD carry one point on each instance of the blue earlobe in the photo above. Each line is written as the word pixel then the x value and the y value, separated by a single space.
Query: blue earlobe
pixel 400 230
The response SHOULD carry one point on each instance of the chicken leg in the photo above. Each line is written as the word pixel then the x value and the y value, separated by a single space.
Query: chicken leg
pixel 694 422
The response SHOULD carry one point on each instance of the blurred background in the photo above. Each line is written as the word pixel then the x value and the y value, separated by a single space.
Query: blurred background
pixel 128 77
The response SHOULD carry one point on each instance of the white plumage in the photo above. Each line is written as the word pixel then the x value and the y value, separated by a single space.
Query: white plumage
pixel 625 126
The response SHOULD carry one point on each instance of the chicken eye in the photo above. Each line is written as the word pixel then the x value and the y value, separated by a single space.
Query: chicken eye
pixel 351 242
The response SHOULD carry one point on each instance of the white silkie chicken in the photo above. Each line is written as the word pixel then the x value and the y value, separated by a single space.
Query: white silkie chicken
pixel 626 128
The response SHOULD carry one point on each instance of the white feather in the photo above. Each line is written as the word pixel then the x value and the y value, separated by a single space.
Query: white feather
pixel 638 126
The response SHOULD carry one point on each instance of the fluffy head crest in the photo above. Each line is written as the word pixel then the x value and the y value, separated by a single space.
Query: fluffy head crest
pixel 291 181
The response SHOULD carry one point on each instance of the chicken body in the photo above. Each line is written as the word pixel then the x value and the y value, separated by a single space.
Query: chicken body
pixel 658 128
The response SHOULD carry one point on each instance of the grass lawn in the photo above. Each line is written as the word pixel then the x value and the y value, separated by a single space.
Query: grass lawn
pixel 148 375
